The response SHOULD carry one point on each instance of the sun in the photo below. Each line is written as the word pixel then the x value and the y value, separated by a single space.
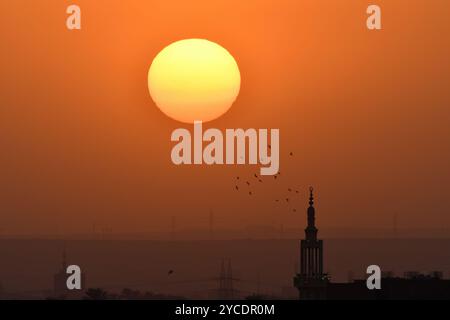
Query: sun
pixel 194 80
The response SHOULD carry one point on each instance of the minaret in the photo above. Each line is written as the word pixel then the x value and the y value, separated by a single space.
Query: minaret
pixel 311 230
pixel 311 281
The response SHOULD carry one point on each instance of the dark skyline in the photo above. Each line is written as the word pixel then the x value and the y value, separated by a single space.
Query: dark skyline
pixel 190 269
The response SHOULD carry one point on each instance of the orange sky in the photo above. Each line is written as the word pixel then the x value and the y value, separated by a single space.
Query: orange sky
pixel 367 114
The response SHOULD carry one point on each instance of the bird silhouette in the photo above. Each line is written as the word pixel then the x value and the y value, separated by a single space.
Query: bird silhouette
pixel 248 183
pixel 237 188
pixel 170 272
pixel 260 180
pixel 256 176
pixel 291 154
pixel 287 199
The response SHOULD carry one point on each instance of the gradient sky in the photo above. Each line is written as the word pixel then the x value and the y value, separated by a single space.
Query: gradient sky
pixel 367 114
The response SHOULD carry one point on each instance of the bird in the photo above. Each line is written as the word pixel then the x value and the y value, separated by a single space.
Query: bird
pixel 248 183
pixel 237 188
pixel 289 189
pixel 250 193
pixel 170 272
pixel 237 178
pixel 277 200
pixel 256 176
pixel 291 154
pixel 260 180
pixel 275 177
pixel 287 199
pixel 296 191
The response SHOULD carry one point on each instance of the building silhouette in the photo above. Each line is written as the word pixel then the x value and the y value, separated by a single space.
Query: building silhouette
pixel 409 287
pixel 313 284
pixel 311 281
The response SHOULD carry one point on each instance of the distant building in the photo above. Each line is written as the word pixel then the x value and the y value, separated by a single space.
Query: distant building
pixel 419 287
pixel 313 284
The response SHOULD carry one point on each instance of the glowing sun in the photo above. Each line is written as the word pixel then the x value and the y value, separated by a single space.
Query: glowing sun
pixel 194 79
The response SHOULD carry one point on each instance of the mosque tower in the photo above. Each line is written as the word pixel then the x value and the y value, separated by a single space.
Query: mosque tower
pixel 311 281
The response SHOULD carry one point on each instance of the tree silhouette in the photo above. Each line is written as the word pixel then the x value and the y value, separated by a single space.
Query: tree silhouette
pixel 96 294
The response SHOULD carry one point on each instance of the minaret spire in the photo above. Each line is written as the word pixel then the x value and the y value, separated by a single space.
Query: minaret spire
pixel 311 196
pixel 311 230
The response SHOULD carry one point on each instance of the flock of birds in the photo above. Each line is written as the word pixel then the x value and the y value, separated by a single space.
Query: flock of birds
pixel 248 186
